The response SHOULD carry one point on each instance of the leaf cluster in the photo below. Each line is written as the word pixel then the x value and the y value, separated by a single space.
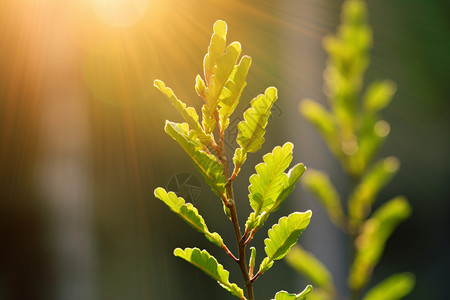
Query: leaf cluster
pixel 353 131
pixel 203 141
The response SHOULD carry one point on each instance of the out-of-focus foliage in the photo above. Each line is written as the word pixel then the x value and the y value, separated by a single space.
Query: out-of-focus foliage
pixel 353 130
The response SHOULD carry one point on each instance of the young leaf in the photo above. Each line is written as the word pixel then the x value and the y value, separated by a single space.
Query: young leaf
pixel 208 264
pixel 307 264
pixel 365 193
pixel 252 129
pixel 282 295
pixel 188 213
pixel 189 114
pixel 319 184
pixel 378 96
pixel 207 164
pixel 266 184
pixel 215 49
pixel 371 242
pixel 219 65
pixel 256 221
pixel 231 93
pixel 283 236
pixel 320 118
pixel 394 287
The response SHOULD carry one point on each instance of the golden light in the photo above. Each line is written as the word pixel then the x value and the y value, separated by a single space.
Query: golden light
pixel 120 13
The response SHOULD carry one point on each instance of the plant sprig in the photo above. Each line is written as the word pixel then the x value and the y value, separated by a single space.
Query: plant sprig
pixel 354 131
pixel 204 143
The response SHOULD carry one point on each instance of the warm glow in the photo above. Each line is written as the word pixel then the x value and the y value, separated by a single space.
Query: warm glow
pixel 120 13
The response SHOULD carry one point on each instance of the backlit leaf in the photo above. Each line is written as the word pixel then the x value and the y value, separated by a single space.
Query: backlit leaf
pixel 270 186
pixel 206 163
pixel 371 242
pixel 394 287
pixel 308 265
pixel 319 184
pixel 363 196
pixel 282 295
pixel 267 183
pixel 252 129
pixel 219 69
pixel 378 96
pixel 283 236
pixel 208 264
pixel 188 213
pixel 188 113
pixel 231 93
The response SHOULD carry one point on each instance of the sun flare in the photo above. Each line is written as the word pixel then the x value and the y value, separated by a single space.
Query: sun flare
pixel 120 13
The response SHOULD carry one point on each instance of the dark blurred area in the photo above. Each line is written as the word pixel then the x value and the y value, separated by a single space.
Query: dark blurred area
pixel 82 145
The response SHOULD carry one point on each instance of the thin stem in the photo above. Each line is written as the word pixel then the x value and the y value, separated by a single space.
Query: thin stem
pixel 234 219
pixel 229 253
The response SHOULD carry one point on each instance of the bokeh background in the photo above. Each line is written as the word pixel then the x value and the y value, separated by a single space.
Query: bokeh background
pixel 82 145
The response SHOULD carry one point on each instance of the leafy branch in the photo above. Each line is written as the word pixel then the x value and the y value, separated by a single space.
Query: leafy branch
pixel 203 141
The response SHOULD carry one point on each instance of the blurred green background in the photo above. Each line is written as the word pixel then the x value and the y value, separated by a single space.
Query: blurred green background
pixel 82 145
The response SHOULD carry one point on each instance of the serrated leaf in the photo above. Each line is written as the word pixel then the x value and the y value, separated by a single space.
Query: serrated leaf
pixel 371 242
pixel 319 184
pixel 239 158
pixel 293 176
pixel 252 129
pixel 208 264
pixel 394 287
pixel 257 221
pixel 188 113
pixel 283 295
pixel 207 164
pixel 267 183
pixel 215 49
pixel 219 64
pixel 231 92
pixel 308 265
pixel 363 196
pixel 188 213
pixel 283 236
pixel 270 186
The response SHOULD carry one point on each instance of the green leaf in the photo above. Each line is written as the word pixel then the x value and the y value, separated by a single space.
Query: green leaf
pixel 371 242
pixel 215 49
pixel 188 213
pixel 251 262
pixel 363 196
pixel 308 265
pixel 378 96
pixel 208 264
pixel 283 236
pixel 239 158
pixel 282 295
pixel 267 183
pixel 271 186
pixel 206 163
pixel 257 221
pixel 188 113
pixel 231 93
pixel 219 66
pixel 319 184
pixel 252 129
pixel 321 294
pixel 394 287
pixel 324 122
